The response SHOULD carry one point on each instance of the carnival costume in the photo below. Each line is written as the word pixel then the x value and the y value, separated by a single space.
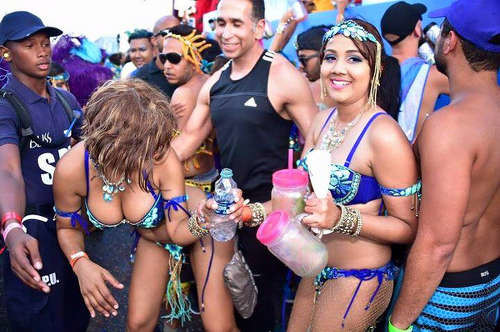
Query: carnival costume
pixel 349 187
pixel 179 304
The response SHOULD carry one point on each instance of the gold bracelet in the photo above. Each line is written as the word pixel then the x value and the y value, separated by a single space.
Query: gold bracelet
pixel 359 224
pixel 350 221
pixel 194 225
pixel 258 214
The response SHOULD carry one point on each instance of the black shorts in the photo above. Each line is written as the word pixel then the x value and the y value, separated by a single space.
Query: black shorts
pixel 63 308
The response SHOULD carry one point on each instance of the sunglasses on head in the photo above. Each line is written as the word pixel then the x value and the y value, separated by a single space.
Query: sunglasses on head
pixel 173 58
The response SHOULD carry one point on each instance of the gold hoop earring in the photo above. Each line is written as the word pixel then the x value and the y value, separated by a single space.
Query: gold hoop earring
pixel 6 55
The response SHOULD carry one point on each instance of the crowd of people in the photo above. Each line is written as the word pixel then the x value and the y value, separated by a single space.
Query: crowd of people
pixel 91 145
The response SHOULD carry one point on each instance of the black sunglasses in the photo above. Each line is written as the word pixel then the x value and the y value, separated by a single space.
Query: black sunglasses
pixel 173 58
pixel 303 59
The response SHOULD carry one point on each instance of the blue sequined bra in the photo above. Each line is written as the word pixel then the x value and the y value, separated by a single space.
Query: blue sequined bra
pixel 151 219
pixel 350 187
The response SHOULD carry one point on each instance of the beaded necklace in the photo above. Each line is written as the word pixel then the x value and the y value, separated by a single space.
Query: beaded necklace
pixel 110 188
pixel 334 137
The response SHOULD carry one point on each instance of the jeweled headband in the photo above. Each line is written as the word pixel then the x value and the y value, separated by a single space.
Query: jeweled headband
pixel 192 46
pixel 353 30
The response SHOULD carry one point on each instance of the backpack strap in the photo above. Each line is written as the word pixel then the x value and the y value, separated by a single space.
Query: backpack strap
pixel 23 116
pixel 66 105
pixel 26 121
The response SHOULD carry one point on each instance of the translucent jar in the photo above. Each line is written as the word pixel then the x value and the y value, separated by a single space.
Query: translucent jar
pixel 288 240
pixel 289 189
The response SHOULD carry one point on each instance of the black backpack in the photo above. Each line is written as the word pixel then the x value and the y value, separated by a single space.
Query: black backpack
pixel 25 118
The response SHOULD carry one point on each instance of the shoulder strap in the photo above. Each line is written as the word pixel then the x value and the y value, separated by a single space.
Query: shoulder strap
pixel 87 171
pixel 360 137
pixel 327 120
pixel 66 105
pixel 22 114
pixel 26 122
pixel 21 111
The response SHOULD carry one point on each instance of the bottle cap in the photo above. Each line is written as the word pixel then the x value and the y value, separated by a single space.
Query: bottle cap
pixel 226 173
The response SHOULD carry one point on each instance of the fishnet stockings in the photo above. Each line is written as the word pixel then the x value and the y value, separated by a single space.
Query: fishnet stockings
pixel 328 312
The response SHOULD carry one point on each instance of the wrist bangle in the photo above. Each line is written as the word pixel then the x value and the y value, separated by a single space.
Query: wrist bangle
pixel 258 214
pixel 392 328
pixel 349 223
pixel 11 215
pixel 9 228
pixel 194 225
pixel 76 256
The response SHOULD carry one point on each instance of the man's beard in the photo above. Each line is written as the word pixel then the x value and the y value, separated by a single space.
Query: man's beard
pixel 439 58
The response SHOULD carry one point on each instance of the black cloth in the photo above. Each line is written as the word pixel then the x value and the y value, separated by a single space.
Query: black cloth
pixel 253 142
pixel 30 310
pixel 251 136
pixel 151 74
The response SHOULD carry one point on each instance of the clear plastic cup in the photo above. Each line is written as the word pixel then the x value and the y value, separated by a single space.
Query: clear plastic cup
pixel 293 244
pixel 289 189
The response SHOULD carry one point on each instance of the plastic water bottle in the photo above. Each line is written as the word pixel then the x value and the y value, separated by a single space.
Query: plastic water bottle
pixel 223 229
pixel 299 11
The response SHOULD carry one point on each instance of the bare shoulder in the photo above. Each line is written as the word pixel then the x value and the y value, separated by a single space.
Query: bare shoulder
pixel 281 66
pixel 71 167
pixel 385 131
pixel 181 94
pixel 446 127
pixel 204 93
pixel 169 163
pixel 169 168
pixel 288 81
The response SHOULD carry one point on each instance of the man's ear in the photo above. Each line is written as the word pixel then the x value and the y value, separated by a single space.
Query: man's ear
pixel 5 54
pixel 260 29
pixel 418 30
pixel 450 42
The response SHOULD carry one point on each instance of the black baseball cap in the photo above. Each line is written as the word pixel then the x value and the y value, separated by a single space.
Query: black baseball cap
pixel 400 19
pixel 312 38
pixel 21 24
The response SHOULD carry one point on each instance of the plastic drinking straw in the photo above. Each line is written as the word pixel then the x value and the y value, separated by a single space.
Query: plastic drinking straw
pixel 290 158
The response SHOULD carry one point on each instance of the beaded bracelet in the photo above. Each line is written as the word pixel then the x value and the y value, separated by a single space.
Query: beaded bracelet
pixel 194 225
pixel 258 214
pixel 350 221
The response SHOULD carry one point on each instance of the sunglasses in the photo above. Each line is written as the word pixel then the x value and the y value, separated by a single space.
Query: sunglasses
pixel 303 59
pixel 173 58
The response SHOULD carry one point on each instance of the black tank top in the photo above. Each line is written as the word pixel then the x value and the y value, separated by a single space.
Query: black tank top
pixel 252 137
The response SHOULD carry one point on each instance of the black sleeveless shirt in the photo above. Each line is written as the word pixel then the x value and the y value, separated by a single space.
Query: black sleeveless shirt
pixel 252 137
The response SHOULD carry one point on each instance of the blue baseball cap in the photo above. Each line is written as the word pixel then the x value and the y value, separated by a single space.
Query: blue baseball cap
pixel 21 24
pixel 477 21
